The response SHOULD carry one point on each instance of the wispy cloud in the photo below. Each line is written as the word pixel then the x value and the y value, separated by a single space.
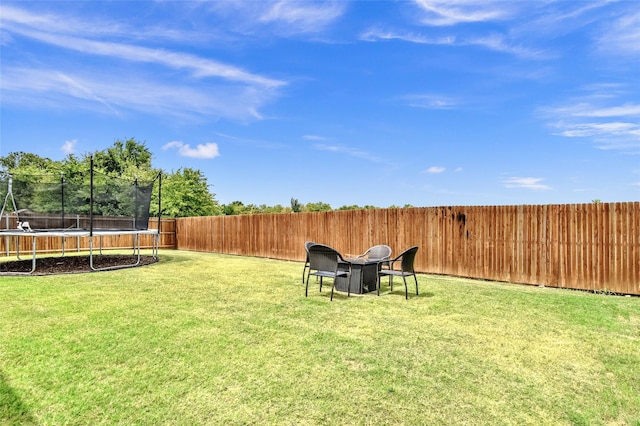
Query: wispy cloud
pixel 376 34
pixel 500 43
pixel 280 18
pixel 622 36
pixel 202 151
pixel 158 81
pixel 609 126
pixel 302 16
pixel 494 42
pixel 348 151
pixel 452 12
pixel 199 67
pixel 107 93
pixel 526 183
pixel 314 138
pixel 431 101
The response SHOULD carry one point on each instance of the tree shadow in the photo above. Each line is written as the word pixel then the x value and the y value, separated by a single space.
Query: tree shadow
pixel 13 411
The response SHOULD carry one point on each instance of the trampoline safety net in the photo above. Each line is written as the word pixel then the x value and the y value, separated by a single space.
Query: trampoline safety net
pixel 52 202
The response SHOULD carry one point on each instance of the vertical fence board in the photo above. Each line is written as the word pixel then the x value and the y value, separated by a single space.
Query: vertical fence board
pixel 588 246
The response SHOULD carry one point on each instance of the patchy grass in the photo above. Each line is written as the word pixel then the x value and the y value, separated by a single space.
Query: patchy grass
pixel 215 339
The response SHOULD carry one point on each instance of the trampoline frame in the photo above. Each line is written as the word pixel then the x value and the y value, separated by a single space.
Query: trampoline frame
pixel 82 233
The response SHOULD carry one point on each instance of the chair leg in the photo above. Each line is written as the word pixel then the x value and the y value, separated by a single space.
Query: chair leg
pixel 332 287
pixel 416 278
pixel 406 289
pixel 306 288
pixel 320 284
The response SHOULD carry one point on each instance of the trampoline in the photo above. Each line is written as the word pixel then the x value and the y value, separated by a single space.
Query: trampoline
pixel 89 207
pixel 63 234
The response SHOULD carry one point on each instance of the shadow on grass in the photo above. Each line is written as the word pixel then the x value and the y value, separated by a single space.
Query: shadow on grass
pixel 397 292
pixel 12 410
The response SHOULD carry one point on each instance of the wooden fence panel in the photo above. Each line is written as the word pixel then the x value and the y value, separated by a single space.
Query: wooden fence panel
pixel 584 246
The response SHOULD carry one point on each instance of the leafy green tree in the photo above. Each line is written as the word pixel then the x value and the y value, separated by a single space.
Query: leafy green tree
pixel 233 208
pixel 186 193
pixel 351 207
pixel 24 163
pixel 318 207
pixel 278 208
pixel 296 207
pixel 128 159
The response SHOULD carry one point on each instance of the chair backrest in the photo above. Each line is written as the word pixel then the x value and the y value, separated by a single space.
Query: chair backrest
pixel 323 258
pixel 306 248
pixel 408 257
pixel 379 252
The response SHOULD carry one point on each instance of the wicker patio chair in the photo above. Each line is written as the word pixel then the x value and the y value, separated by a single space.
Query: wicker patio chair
pixel 306 262
pixel 327 262
pixel 405 260
pixel 380 253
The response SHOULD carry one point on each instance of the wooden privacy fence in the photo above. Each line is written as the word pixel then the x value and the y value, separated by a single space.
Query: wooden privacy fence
pixel 580 246
pixel 72 243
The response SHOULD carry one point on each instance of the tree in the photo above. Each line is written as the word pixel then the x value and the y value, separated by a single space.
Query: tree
pixel 318 207
pixel 186 193
pixel 351 207
pixel 296 207
pixel 233 208
pixel 129 159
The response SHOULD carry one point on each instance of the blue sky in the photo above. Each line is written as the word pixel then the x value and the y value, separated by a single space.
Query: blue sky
pixel 428 103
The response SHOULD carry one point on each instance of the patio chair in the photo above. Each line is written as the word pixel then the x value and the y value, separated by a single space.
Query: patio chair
pixel 379 252
pixel 306 262
pixel 327 262
pixel 405 261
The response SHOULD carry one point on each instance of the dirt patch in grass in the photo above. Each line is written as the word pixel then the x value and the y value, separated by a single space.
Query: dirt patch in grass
pixel 72 264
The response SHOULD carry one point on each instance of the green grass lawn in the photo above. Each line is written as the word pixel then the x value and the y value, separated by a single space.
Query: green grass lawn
pixel 215 339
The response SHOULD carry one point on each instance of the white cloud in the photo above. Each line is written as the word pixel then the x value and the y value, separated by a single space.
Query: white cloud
pixel 584 109
pixel 378 34
pixel 609 126
pixel 108 93
pixel 314 138
pixel 302 16
pixel 431 101
pixel 201 86
pixel 282 18
pixel 200 67
pixel 495 42
pixel 525 182
pixel 69 147
pixel 435 170
pixel 203 151
pixel 452 12
pixel 348 151
pixel 622 36
pixel 500 43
